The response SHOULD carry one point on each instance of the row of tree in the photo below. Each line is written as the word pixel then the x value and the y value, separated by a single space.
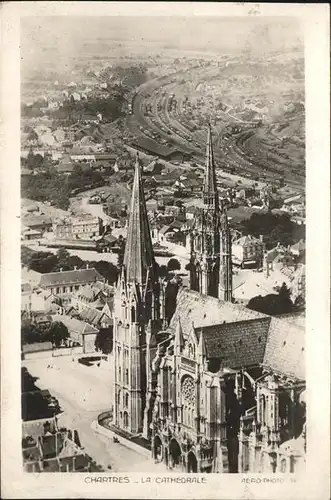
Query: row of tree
pixel 275 228
pixel 31 332
pixel 50 185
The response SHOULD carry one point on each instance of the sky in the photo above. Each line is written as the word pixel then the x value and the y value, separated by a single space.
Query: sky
pixel 62 37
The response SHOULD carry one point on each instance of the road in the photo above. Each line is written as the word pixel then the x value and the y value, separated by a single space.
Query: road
pixel 83 393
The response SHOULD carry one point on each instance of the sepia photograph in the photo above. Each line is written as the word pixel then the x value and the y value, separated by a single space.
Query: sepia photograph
pixel 163 194
pixel 163 245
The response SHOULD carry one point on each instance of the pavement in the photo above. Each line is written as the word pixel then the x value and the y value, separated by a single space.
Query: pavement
pixel 248 283
pixel 83 393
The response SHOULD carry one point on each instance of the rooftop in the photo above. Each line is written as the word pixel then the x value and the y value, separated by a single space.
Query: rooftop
pixel 240 336
pixel 70 277
pixel 75 325
pixel 237 344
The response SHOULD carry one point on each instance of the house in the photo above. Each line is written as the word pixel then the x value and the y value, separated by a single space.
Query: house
pixel 65 167
pixel 152 205
pixel 192 186
pixel 35 299
pixel 163 179
pixel 83 158
pixel 89 295
pixel 248 251
pixel 244 193
pixel 78 227
pixel 40 223
pixel 153 168
pixel 173 210
pixel 107 243
pixel 166 233
pixel 31 234
pixel 190 212
pixel 53 450
pixel 95 317
pixel 80 331
pixel 69 281
pixel 298 248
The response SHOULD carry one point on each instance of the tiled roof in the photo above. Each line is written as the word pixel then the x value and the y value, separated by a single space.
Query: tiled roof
pixel 246 240
pixel 204 310
pixel 88 292
pixel 70 449
pixel 285 349
pixel 70 277
pixel 240 336
pixel 94 316
pixel 73 324
pixel 36 220
pixel 238 344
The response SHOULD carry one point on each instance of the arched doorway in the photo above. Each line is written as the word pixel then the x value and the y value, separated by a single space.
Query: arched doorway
pixel 175 454
pixel 192 463
pixel 158 448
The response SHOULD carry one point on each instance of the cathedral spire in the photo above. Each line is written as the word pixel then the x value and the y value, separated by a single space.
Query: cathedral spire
pixel 179 338
pixel 138 256
pixel 210 194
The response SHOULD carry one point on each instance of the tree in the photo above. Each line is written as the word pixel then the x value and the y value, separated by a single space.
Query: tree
pixel 163 271
pixel 58 333
pixel 41 262
pixel 108 270
pixel 189 266
pixel 173 265
pixel 272 304
pixel 104 340
pixel 63 258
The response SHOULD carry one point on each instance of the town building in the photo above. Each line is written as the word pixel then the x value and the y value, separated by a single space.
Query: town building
pixel 40 223
pixel 78 227
pixel 248 251
pixel 69 281
pixel 81 332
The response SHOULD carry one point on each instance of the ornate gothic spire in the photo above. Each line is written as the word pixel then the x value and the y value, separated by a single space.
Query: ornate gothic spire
pixel 210 194
pixel 139 255
pixel 179 338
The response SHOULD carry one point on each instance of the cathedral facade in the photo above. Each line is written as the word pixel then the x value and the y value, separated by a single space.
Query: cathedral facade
pixel 218 387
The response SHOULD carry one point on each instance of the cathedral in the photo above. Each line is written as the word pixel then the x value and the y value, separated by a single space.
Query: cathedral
pixel 216 387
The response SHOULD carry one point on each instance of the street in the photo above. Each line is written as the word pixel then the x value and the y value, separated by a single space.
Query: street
pixel 83 393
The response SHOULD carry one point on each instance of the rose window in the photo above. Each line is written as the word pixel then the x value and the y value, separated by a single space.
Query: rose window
pixel 188 390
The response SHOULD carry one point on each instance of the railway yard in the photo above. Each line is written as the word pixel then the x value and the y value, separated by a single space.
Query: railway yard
pixel 165 112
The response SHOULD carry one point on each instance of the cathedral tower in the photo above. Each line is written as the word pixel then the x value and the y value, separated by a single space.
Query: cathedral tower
pixel 136 316
pixel 211 268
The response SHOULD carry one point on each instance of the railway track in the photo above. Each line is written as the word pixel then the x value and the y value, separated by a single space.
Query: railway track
pixel 174 127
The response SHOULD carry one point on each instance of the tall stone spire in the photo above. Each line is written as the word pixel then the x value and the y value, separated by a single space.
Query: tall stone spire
pixel 210 195
pixel 136 319
pixel 139 256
